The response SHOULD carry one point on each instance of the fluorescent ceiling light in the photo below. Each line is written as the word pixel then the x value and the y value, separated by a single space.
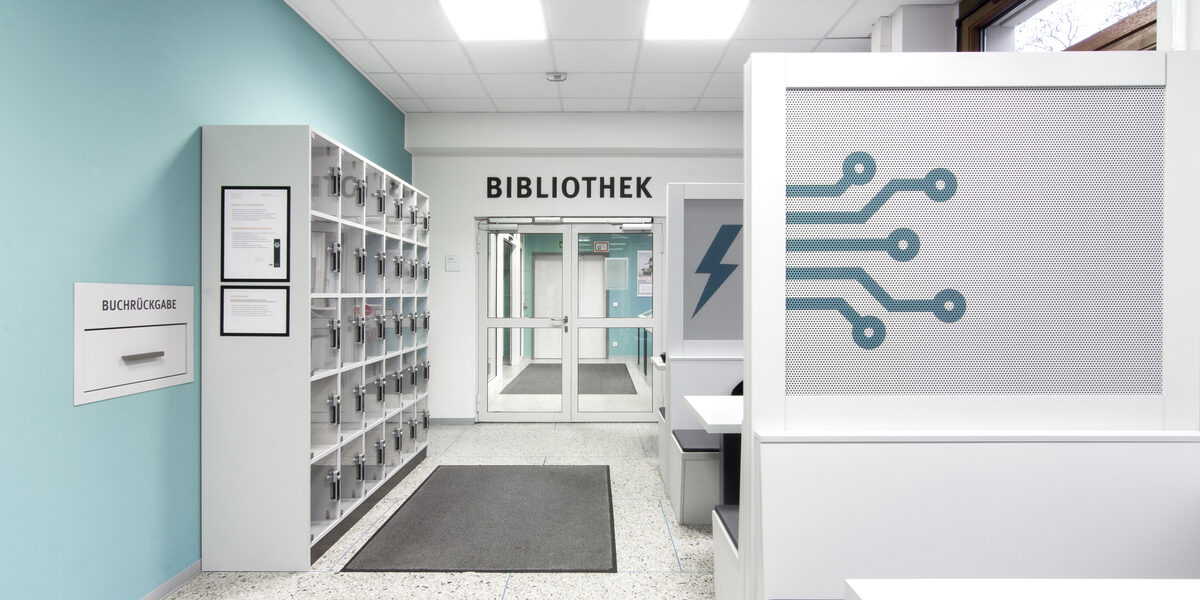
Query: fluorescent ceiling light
pixel 693 19
pixel 496 20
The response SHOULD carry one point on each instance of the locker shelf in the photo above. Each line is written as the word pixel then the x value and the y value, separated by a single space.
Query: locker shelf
pixel 355 225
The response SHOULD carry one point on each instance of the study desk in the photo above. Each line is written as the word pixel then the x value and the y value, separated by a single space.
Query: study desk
pixel 723 415
pixel 1025 589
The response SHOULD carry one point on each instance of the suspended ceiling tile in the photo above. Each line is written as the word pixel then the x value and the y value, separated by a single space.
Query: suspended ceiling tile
pixel 519 85
pixel 364 56
pixel 669 85
pixel 510 57
pixel 399 19
pixel 459 105
pixel 725 85
pixel 844 45
pixel 595 19
pixel 739 51
pixel 325 16
pixel 864 13
pixel 528 104
pixel 680 57
pixel 663 104
pixel 392 85
pixel 410 105
pixel 425 57
pixel 595 104
pixel 790 19
pixel 720 104
pixel 575 56
pixel 429 85
pixel 597 85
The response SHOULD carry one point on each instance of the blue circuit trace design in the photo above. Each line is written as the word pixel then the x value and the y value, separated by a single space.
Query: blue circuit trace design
pixel 902 245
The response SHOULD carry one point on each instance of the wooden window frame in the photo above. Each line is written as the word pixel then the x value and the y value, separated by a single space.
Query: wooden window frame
pixel 1138 31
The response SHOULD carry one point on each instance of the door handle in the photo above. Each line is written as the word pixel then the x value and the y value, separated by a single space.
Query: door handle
pixel 560 322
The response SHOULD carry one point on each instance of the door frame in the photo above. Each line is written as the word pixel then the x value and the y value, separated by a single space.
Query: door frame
pixel 569 408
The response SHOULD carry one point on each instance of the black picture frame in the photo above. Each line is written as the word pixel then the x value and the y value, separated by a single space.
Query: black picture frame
pixel 286 247
pixel 287 310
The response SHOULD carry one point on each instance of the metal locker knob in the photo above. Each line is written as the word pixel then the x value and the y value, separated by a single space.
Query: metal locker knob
pixel 360 466
pixel 381 388
pixel 380 447
pixel 361 191
pixel 335 408
pixel 398 433
pixel 335 181
pixel 360 395
pixel 380 261
pixel 412 322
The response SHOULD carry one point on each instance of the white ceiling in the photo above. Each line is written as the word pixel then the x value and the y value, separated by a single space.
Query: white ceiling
pixel 409 51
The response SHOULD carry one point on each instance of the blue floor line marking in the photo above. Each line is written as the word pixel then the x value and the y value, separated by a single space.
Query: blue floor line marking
pixel 642 443
pixel 505 592
pixel 451 444
pixel 670 535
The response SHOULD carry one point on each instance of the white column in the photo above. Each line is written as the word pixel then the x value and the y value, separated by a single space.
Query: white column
pixel 917 28
pixel 1179 25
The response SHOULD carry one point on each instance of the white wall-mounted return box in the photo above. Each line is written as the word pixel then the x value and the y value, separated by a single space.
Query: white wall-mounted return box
pixel 131 338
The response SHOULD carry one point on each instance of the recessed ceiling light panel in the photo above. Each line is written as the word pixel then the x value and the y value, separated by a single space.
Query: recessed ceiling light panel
pixel 496 20
pixel 693 19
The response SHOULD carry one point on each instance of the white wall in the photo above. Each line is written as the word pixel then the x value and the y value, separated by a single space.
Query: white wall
pixel 453 154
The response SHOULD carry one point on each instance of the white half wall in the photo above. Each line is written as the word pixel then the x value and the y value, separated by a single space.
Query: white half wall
pixel 454 154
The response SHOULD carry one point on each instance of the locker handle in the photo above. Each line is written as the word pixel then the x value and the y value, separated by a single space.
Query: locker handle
pixel 361 192
pixel 399 210
pixel 334 326
pixel 360 463
pixel 399 382
pixel 399 265
pixel 381 387
pixel 360 260
pixel 380 323
pixel 412 377
pixel 360 394
pixel 380 261
pixel 426 370
pixel 360 330
pixel 412 216
pixel 412 428
pixel 427 216
pixel 399 324
pixel 425 418
pixel 335 174
pixel 427 315
pixel 335 406
pixel 382 196
pixel 412 322
pixel 399 435
pixel 380 445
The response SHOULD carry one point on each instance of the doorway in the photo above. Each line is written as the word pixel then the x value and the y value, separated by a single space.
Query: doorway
pixel 567 321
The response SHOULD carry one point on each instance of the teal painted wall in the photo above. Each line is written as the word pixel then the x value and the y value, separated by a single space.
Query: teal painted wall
pixel 100 172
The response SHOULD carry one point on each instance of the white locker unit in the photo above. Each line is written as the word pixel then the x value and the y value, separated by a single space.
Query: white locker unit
pixel 301 433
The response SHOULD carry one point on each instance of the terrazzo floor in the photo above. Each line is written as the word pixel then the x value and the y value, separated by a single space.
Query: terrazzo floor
pixel 656 556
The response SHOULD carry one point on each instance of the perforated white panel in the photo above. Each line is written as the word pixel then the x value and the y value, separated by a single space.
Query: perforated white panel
pixel 974 241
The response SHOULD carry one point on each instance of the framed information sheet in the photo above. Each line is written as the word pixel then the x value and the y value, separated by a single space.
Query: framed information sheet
pixel 254 311
pixel 255 225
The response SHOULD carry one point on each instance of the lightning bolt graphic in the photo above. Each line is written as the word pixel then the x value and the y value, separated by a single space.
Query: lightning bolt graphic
pixel 711 263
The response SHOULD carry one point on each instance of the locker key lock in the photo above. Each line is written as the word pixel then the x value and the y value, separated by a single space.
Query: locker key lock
pixel 360 394
pixel 399 380
pixel 399 435
pixel 380 446
pixel 361 190
pixel 381 388
pixel 335 181
pixel 360 466
pixel 380 261
pixel 381 195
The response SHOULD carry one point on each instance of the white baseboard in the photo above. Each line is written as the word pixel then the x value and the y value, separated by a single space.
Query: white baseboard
pixel 451 421
pixel 173 583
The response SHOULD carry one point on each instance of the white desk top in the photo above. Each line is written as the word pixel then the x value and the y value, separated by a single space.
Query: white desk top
pixel 718 414
pixel 1025 589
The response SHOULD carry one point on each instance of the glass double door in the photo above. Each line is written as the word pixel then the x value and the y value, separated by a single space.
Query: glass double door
pixel 567 322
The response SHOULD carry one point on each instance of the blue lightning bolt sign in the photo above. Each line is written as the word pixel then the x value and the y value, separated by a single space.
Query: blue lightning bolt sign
pixel 717 271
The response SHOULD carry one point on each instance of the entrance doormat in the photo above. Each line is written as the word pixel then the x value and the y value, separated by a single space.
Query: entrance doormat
pixel 594 378
pixel 510 518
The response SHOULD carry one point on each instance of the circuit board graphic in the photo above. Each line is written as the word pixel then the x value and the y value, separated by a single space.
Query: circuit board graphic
pixel 902 245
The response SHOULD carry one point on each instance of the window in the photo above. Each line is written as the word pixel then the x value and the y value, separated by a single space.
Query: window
pixel 1055 25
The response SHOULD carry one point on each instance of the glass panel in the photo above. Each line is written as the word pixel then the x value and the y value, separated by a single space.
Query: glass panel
pixel 524 275
pixel 615 275
pixel 614 372
pixel 1053 25
pixel 529 370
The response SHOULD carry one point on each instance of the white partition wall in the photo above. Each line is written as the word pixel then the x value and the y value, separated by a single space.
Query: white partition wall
pixel 949 246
